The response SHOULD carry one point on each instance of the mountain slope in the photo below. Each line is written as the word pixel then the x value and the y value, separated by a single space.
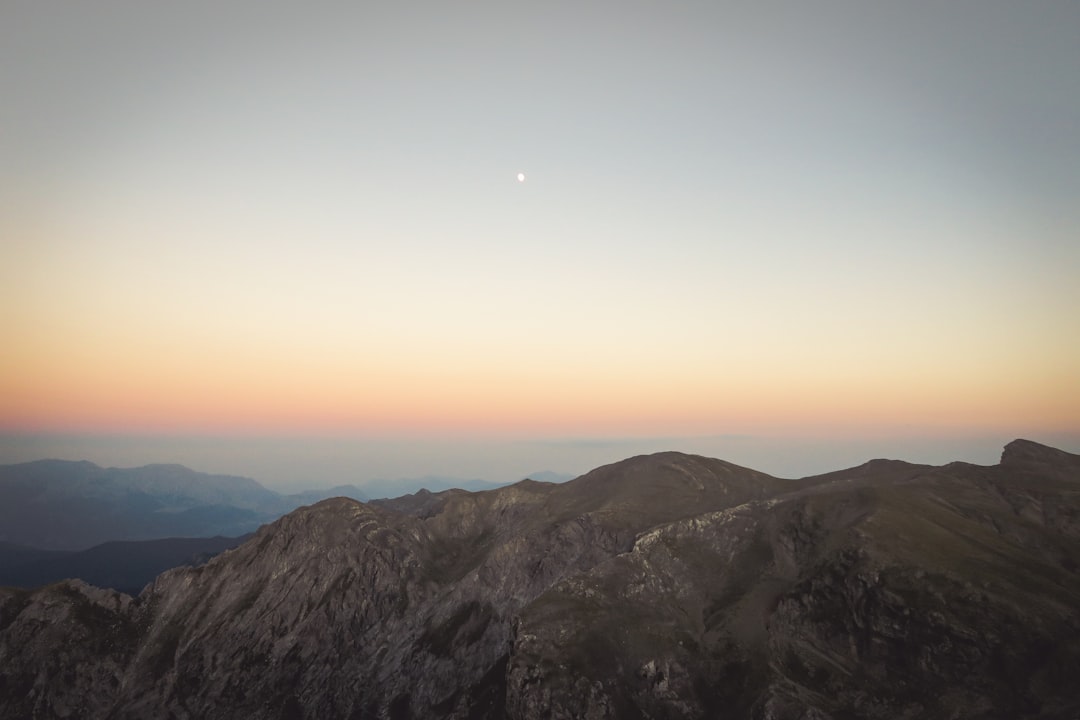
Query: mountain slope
pixel 925 598
pixel 662 586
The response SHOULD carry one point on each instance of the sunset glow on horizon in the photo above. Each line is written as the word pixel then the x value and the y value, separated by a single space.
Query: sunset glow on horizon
pixel 842 223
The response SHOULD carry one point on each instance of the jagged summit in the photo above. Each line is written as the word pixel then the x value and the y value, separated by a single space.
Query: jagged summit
pixel 1020 452
pixel 665 585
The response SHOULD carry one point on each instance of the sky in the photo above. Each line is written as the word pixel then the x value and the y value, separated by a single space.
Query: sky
pixel 289 240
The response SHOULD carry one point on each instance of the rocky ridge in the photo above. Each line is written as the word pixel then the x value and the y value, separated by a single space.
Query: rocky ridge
pixel 662 586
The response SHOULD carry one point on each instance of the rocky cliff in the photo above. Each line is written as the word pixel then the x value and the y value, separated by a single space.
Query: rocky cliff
pixel 662 586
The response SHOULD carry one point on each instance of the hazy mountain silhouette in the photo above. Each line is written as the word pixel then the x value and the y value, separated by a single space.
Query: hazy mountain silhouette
pixel 549 476
pixel 123 566
pixel 66 505
pixel 383 489
pixel 13 555
pixel 661 586
pixel 309 497
pixel 74 505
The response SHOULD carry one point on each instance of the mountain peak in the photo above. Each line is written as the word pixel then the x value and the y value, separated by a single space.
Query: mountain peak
pixel 662 487
pixel 1022 452
pixel 665 585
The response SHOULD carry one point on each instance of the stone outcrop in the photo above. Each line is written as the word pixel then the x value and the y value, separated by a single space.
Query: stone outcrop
pixel 663 586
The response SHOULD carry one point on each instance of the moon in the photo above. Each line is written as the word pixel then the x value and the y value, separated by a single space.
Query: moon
pixel 521 177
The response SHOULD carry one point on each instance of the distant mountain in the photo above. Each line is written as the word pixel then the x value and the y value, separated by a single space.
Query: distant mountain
pixel 173 487
pixel 662 586
pixel 421 503
pixel 13 555
pixel 432 483
pixel 64 505
pixel 549 476
pixel 310 497
pixel 123 566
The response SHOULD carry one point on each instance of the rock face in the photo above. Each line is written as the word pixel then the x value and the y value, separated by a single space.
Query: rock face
pixel 663 586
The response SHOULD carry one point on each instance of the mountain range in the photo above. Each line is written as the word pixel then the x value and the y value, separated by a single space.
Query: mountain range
pixel 64 505
pixel 124 566
pixel 661 586
pixel 75 505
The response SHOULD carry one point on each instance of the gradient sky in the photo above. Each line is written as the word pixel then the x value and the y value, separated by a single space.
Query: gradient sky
pixel 249 221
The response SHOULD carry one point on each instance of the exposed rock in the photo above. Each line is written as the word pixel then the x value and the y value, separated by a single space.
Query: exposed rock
pixel 664 586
